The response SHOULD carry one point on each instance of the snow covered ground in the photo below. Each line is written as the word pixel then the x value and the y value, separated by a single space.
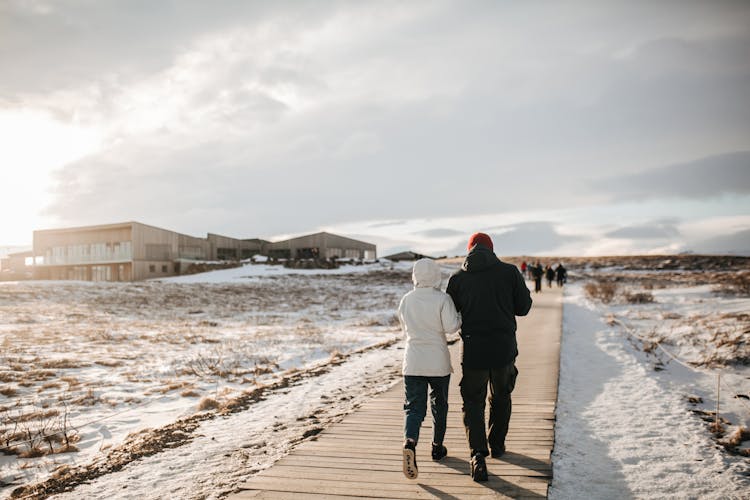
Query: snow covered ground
pixel 114 359
pixel 626 427
pixel 284 353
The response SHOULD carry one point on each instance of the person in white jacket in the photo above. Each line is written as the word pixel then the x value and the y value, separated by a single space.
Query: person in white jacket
pixel 426 315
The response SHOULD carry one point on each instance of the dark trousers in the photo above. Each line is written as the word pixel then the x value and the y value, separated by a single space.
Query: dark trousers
pixel 502 380
pixel 415 405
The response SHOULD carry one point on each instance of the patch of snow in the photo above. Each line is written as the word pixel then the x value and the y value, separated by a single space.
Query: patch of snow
pixel 261 270
pixel 625 430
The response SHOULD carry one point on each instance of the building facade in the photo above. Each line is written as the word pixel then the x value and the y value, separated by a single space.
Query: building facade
pixel 322 246
pixel 128 251
pixel 132 251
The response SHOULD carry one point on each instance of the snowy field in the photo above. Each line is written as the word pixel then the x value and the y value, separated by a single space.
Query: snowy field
pixel 637 384
pixel 248 360
pixel 183 387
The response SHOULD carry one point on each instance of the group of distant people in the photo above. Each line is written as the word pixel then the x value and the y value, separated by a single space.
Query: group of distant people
pixel 537 272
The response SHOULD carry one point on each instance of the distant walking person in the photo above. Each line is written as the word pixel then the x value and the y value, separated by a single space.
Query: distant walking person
pixel 537 272
pixel 426 315
pixel 562 275
pixel 550 274
pixel 488 294
pixel 523 268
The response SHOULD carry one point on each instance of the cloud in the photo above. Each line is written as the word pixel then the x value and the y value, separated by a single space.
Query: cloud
pixel 439 233
pixel 654 230
pixel 386 224
pixel 737 243
pixel 260 118
pixel 528 238
pixel 706 177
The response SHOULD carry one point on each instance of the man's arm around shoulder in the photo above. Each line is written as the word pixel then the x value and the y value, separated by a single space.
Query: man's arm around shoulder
pixel 452 290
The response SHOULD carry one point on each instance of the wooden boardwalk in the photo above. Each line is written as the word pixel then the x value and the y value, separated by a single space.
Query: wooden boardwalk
pixel 360 457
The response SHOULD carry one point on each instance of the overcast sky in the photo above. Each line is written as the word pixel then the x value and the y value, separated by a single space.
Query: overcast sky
pixel 558 127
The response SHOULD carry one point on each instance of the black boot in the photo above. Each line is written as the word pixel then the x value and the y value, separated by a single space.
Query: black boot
pixel 478 468
pixel 438 451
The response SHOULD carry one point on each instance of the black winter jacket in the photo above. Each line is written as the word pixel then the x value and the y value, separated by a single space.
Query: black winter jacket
pixel 489 294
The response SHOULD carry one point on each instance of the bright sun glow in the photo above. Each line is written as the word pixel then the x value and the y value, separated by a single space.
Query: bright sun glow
pixel 34 145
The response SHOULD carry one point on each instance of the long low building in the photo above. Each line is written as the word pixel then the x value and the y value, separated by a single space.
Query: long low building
pixel 132 251
pixel 322 246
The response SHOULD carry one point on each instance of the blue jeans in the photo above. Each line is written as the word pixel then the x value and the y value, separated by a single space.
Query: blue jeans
pixel 415 405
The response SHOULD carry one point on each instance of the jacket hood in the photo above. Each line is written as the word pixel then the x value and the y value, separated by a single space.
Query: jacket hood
pixel 426 274
pixel 479 259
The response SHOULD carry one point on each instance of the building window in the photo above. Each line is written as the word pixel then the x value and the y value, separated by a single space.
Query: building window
pixel 164 268
pixel 152 268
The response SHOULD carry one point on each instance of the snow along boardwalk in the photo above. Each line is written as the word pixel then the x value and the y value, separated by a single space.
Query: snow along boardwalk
pixel 360 457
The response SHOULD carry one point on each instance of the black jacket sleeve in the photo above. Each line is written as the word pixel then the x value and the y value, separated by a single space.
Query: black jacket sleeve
pixel 522 296
pixel 453 292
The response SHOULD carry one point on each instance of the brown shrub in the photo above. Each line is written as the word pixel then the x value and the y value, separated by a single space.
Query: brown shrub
pixel 109 363
pixel 8 391
pixel 735 284
pixel 189 393
pixel 88 399
pixel 736 438
pixel 639 297
pixel 603 291
pixel 208 404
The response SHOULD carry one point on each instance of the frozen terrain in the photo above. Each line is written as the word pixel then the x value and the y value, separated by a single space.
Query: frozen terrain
pixel 87 368
pixel 184 387
pixel 629 415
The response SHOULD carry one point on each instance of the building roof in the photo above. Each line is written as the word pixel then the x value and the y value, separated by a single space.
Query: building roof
pixel 407 255
pixel 324 233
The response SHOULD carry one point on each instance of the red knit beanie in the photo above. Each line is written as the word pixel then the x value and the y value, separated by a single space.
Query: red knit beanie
pixel 482 239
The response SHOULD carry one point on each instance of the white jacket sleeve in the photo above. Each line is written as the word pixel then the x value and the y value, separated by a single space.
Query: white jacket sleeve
pixel 449 317
pixel 399 314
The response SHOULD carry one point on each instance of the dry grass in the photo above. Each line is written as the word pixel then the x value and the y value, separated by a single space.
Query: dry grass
pixel 208 404
pixel 111 363
pixel 736 438
pixel 169 387
pixel 89 398
pixel 639 297
pixel 71 381
pixel 603 291
pixel 38 415
pixel 8 391
pixel 736 284
pixel 50 385
pixel 62 364
pixel 190 393
pixel 41 375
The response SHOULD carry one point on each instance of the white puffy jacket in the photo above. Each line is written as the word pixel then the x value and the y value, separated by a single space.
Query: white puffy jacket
pixel 427 315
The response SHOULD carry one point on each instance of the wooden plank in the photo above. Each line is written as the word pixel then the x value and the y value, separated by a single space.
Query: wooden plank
pixel 361 456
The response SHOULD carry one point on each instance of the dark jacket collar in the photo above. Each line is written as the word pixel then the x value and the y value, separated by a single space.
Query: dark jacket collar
pixel 478 259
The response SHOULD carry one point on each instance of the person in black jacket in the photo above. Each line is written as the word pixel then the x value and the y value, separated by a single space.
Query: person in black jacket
pixel 537 272
pixel 562 274
pixel 489 294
